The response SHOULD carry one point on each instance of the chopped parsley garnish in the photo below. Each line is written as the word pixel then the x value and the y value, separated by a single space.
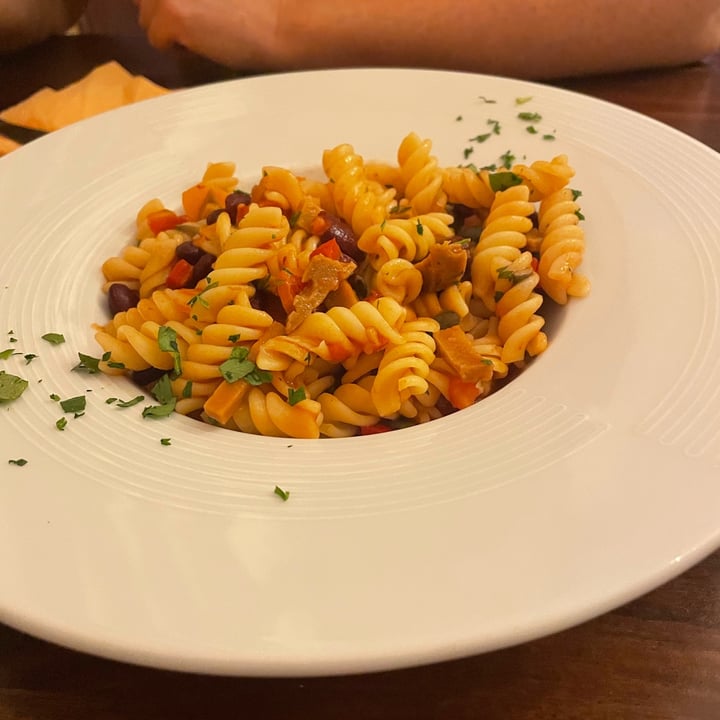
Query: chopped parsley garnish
pixel 165 441
pixel 236 337
pixel 523 100
pixel 495 124
pixel 296 395
pixel 116 365
pixel 575 193
pixel 167 342
pixel 90 364
pixel 506 274
pixel 199 297
pixel 61 424
pixel 11 387
pixel 129 403
pixel 5 354
pixel 74 404
pixel 20 462
pixel 580 215
pixel 419 227
pixel 282 494
pixel 55 397
pixel 447 318
pixel 54 338
pixel 530 116
pixel 489 101
pixel 29 358
pixel 187 390
pixel 531 129
pixel 458 118
pixel 162 392
pixel 503 180
pixel 467 152
pixel 238 367
pixel 507 159
pixel 480 139
pixel 548 136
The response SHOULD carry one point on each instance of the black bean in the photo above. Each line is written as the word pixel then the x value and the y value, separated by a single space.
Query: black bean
pixel 202 267
pixel 122 298
pixel 188 251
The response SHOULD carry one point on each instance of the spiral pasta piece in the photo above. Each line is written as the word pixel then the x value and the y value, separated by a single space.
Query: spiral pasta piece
pixel 468 186
pixel 544 177
pixel 405 238
pixel 562 247
pixel 519 327
pixel 359 201
pixel 422 177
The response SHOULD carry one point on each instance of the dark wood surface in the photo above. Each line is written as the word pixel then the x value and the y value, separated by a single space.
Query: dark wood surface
pixel 656 658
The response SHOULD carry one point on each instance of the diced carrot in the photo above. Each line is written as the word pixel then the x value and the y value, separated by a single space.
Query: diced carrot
pixel 330 249
pixel 374 429
pixel 180 275
pixel 462 394
pixel 194 200
pixel 225 400
pixel 161 220
pixel 288 289
pixel 320 224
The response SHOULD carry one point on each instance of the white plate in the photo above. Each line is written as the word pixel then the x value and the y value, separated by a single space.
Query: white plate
pixel 587 481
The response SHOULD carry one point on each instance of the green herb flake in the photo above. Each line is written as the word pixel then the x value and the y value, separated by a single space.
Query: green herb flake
pixel 580 215
pixel 548 136
pixel 5 354
pixel 529 116
pixel 458 118
pixel 162 392
pixel 507 159
pixel 116 365
pixel 523 100
pixel 128 403
pixel 575 193
pixel 11 387
pixel 187 390
pixel 53 338
pixel 61 424
pixel 282 494
pixel 89 364
pixel 467 152
pixel 19 462
pixel 29 358
pixel 167 342
pixel 486 100
pixel 13 340
pixel 234 338
pixel 503 180
pixel 506 274
pixel 165 441
pixel 74 404
pixel 238 367
pixel 111 400
pixel 447 318
pixel 199 297
pixel 296 395
pixel 531 129
pixel 495 124
pixel 55 397
pixel 480 138
pixel 419 227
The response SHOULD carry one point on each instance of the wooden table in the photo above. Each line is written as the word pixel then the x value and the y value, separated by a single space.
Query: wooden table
pixel 656 658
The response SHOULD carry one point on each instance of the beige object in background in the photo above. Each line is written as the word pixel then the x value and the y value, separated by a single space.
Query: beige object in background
pixel 106 87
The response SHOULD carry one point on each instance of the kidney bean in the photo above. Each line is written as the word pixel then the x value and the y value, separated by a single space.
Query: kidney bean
pixel 188 251
pixel 143 378
pixel 343 234
pixel 233 200
pixel 212 218
pixel 121 298
pixel 202 267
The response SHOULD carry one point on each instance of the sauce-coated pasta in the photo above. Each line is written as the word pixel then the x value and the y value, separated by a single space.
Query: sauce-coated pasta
pixel 382 296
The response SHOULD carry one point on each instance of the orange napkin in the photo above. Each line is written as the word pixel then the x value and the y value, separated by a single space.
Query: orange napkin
pixel 106 87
